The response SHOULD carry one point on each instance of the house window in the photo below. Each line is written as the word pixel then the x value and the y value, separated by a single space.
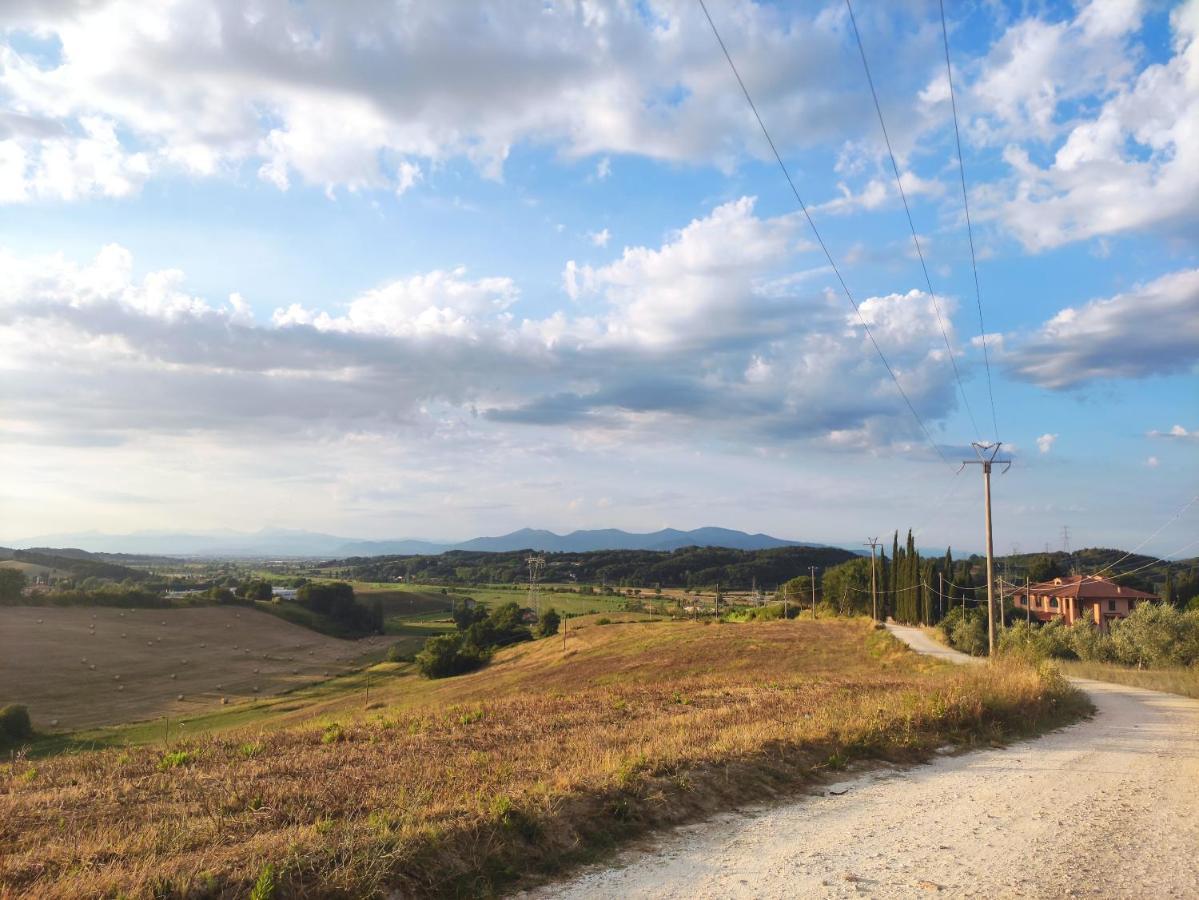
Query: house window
pixel 1111 605
pixel 1053 602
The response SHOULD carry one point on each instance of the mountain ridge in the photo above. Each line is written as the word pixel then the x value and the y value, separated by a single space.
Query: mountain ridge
pixel 307 544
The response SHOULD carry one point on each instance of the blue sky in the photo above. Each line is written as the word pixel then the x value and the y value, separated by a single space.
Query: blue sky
pixel 442 270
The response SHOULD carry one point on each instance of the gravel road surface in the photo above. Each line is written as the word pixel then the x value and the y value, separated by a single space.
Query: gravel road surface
pixel 1105 808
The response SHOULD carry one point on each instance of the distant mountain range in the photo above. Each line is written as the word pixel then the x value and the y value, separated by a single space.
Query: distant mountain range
pixel 309 544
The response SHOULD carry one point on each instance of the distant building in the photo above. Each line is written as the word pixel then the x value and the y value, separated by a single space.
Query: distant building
pixel 1081 597
pixel 280 593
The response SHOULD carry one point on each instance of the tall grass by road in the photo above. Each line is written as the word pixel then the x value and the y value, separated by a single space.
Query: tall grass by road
pixel 463 786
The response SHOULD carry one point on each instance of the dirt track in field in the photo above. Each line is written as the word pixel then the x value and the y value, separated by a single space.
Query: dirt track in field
pixel 1105 808
pixel 86 667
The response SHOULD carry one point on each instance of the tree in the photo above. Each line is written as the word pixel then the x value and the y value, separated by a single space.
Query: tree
pixel 1043 567
pixel 550 620
pixel 12 584
pixel 448 654
pixel 221 594
pixel 466 613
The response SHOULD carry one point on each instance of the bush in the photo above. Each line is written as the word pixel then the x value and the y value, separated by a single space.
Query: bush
pixel 1091 644
pixel 1156 634
pixel 449 654
pixel 14 723
pixel 965 630
pixel 550 621
pixel 1055 640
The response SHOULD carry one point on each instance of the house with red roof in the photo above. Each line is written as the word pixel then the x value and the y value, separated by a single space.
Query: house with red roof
pixel 1080 597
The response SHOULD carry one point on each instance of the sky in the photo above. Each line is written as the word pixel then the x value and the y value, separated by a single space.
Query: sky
pixel 438 270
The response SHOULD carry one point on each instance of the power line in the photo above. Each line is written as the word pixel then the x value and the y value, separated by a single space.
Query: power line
pixel 957 137
pixel 1159 559
pixel 816 232
pixel 1167 524
pixel 911 224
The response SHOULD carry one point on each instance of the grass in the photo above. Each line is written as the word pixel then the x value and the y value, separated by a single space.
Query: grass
pixel 466 786
pixel 1172 681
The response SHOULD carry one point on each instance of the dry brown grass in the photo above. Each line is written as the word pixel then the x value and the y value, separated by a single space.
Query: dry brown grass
pixel 460 787
pixel 1178 680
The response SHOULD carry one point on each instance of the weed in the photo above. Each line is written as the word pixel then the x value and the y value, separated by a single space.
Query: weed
pixel 264 887
pixel 333 734
pixel 173 759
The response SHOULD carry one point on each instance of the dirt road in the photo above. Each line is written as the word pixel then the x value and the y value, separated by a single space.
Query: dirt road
pixel 1105 808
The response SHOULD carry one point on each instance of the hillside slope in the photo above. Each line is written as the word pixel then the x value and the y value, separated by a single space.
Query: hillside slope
pixel 458 787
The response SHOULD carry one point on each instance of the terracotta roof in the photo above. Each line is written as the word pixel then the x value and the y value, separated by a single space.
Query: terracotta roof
pixel 1088 587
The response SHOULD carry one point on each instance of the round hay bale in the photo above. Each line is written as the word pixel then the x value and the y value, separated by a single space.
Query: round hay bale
pixel 224 701
pixel 39 621
pixel 173 676
pixel 180 697
pixel 92 666
pixel 255 689
pixel 54 721
pixel 255 671
pixel 120 687
pixel 122 634
pixel 116 677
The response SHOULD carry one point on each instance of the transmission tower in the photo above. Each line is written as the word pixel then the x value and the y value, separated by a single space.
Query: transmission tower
pixel 536 567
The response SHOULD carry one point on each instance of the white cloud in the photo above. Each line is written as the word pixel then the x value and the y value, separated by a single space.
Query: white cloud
pixel 352 96
pixel 1152 462
pixel 1134 163
pixel 1152 329
pixel 679 333
pixel 1045 442
pixel 407 175
pixel 600 238
pixel 1177 433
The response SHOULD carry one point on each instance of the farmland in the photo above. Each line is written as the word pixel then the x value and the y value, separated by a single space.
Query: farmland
pixel 465 785
pixel 92 666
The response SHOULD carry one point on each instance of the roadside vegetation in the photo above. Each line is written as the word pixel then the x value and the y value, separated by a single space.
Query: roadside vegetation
pixel 1156 647
pixel 466 785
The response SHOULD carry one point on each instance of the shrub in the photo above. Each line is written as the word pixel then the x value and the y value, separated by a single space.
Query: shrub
pixel 1156 634
pixel 969 634
pixel 448 654
pixel 1091 644
pixel 1054 640
pixel 603 620
pixel 14 723
pixel 550 621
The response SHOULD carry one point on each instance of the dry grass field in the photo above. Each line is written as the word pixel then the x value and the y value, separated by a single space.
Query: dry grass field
pixel 464 786
pixel 89 666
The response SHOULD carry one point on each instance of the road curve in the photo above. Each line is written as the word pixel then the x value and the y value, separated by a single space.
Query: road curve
pixel 1105 808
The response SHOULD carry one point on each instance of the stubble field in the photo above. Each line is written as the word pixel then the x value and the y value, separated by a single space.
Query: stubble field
pixel 82 667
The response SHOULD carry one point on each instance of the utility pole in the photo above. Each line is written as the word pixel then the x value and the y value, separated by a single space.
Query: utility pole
pixel 812 578
pixel 872 543
pixel 986 458
pixel 786 590
pixel 940 595
pixel 1027 601
pixel 565 628
pixel 718 601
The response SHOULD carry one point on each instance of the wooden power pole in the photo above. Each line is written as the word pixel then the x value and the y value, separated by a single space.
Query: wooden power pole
pixel 986 457
pixel 872 543
pixel 812 578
